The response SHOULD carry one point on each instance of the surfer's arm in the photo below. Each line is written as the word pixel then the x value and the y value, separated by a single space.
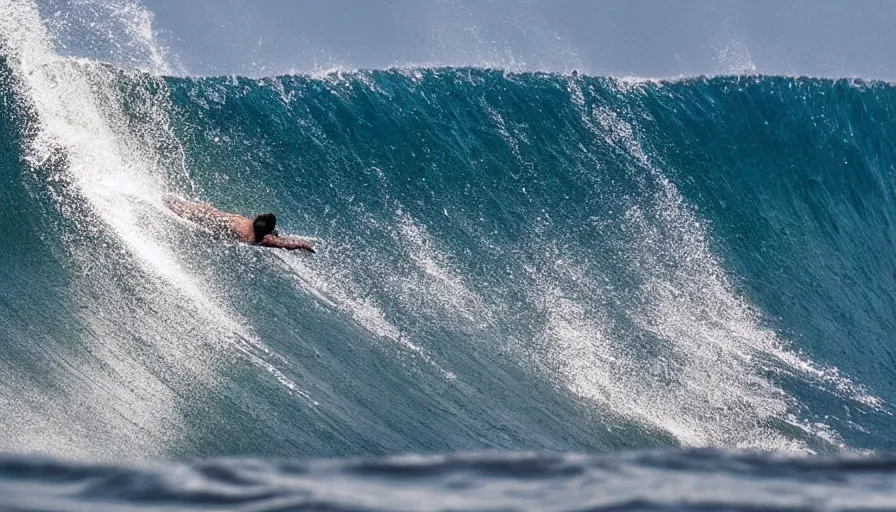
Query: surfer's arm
pixel 288 244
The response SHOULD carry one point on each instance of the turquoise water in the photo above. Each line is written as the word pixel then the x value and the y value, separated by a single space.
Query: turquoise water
pixel 506 261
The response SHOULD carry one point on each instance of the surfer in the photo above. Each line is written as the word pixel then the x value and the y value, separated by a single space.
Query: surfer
pixel 258 231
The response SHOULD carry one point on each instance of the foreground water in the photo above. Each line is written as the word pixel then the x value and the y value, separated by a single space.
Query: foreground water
pixel 672 480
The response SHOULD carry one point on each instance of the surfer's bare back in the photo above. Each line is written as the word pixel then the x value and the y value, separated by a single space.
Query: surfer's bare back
pixel 257 231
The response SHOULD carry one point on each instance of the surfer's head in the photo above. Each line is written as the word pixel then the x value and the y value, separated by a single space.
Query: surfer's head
pixel 263 225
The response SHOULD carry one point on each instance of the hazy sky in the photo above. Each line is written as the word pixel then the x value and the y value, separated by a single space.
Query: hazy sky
pixel 649 38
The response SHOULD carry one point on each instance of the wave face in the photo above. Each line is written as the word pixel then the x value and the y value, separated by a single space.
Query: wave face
pixel 509 261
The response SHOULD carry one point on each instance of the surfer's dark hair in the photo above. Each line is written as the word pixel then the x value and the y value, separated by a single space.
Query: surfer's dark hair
pixel 263 225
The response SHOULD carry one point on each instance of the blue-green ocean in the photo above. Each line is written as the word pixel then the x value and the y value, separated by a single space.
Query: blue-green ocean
pixel 510 265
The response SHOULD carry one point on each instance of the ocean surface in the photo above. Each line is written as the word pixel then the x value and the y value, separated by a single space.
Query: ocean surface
pixel 539 291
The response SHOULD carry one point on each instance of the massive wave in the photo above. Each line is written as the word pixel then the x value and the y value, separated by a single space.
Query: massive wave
pixel 507 261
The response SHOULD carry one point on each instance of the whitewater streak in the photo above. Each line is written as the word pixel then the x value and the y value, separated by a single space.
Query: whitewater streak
pixel 716 341
pixel 110 186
